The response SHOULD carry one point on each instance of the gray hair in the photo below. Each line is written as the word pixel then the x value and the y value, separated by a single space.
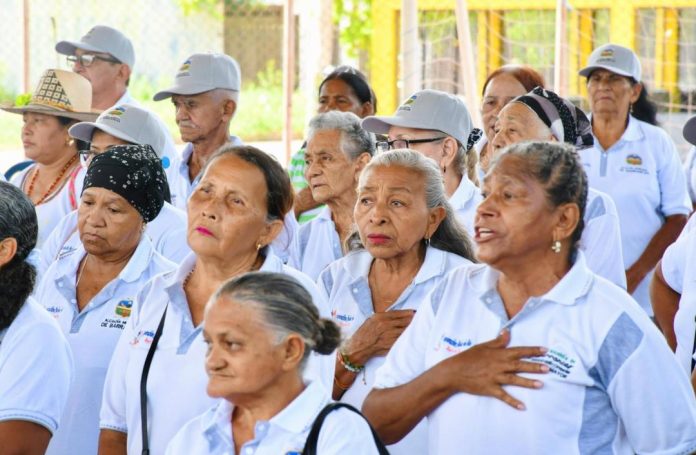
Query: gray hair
pixel 17 219
pixel 450 235
pixel 557 167
pixel 219 94
pixel 354 139
pixel 286 307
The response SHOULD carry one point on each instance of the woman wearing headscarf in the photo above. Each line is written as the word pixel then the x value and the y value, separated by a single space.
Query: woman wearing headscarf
pixel 61 99
pixel 542 115
pixel 90 289
pixel 35 359
pixel 502 86
pixel 635 162
pixel 407 239
pixel 612 384
pixel 157 382
pixel 260 329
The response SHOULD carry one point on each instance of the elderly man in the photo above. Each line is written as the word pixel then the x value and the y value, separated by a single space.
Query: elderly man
pixel 337 151
pixel 438 125
pixel 105 57
pixel 205 95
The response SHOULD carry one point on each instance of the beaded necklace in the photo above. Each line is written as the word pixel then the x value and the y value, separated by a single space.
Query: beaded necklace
pixel 53 185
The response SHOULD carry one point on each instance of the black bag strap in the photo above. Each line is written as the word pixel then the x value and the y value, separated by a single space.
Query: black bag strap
pixel 310 447
pixel 143 382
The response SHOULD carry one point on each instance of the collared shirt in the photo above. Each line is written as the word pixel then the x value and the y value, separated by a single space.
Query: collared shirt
pixel 170 154
pixel 180 184
pixel 35 368
pixel 464 201
pixel 53 209
pixel 92 333
pixel 601 238
pixel 343 431
pixel 679 270
pixel 316 245
pixel 642 173
pixel 178 367
pixel 167 233
pixel 613 387
pixel 690 172
pixel 346 286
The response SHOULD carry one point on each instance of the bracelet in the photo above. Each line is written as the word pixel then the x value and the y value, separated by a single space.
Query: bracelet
pixel 352 367
pixel 339 385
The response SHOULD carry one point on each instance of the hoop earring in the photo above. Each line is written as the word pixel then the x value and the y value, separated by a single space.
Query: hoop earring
pixel 556 246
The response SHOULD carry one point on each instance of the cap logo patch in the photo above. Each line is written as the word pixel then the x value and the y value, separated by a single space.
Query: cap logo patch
pixel 117 111
pixel 406 105
pixel 607 53
pixel 114 114
pixel 184 69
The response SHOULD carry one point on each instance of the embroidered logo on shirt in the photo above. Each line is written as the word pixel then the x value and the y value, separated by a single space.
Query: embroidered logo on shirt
pixel 66 251
pixel 123 308
pixel 559 363
pixel 145 336
pixel 454 345
pixel 343 320
pixel 55 311
pixel 635 165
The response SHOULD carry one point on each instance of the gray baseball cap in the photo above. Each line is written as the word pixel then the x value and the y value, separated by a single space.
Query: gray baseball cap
pixel 204 72
pixel 689 130
pixel 126 122
pixel 102 38
pixel 617 59
pixel 427 110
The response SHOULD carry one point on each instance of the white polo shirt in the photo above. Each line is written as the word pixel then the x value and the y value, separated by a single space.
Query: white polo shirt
pixel 170 154
pixel 92 334
pixel 464 202
pixel 643 175
pixel 679 270
pixel 613 387
pixel 601 238
pixel 36 368
pixel 180 184
pixel 178 366
pixel 315 245
pixel 343 431
pixel 345 284
pixel 167 233
pixel 58 205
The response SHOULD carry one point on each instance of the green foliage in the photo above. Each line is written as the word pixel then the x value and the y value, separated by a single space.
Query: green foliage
pixel 354 20
pixel 211 7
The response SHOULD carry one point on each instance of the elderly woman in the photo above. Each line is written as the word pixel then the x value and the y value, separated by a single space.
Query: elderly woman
pixel 234 213
pixel 90 288
pixel 33 351
pixel 502 86
pixel 260 329
pixel 60 100
pixel 409 239
pixel 345 89
pixel 337 151
pixel 123 125
pixel 600 348
pixel 438 125
pixel 634 162
pixel 541 115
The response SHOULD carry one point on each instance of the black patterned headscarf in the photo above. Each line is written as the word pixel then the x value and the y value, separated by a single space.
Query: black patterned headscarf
pixel 133 172
pixel 567 122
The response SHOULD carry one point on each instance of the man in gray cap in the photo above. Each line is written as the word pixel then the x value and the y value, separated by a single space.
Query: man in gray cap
pixel 205 95
pixel 438 125
pixel 105 57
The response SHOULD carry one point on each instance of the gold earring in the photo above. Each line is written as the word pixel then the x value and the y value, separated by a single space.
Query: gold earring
pixel 258 246
pixel 556 246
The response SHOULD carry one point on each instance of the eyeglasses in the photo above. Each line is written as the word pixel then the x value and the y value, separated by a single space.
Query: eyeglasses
pixel 86 60
pixel 383 146
pixel 87 155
